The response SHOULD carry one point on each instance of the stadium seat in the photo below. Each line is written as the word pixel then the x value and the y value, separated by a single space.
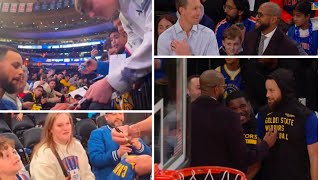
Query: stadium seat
pixel 39 118
pixel 31 137
pixel 20 126
pixel 83 129
pixel 4 127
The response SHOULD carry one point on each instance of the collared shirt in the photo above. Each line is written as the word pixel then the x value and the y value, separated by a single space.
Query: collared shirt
pixel 138 16
pixel 201 40
pixel 268 38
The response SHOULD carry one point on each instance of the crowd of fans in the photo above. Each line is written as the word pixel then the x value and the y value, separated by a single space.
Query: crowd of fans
pixel 249 28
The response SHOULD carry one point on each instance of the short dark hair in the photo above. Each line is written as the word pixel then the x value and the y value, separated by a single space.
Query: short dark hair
pixel 303 7
pixel 113 30
pixel 39 87
pixel 51 80
pixel 243 5
pixel 191 77
pixel 4 50
pixel 235 95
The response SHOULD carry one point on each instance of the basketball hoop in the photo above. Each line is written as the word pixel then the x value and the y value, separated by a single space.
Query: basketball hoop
pixel 191 172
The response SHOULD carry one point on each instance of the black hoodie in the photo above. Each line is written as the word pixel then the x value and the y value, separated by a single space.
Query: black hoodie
pixel 288 158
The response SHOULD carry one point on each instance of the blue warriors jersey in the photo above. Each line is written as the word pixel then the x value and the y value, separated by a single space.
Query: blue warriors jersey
pixel 234 83
pixel 123 171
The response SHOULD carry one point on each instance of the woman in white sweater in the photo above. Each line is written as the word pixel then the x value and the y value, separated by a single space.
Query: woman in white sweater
pixel 57 136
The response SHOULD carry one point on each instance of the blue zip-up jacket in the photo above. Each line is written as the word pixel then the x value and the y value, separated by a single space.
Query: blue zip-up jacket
pixel 103 152
pixel 310 49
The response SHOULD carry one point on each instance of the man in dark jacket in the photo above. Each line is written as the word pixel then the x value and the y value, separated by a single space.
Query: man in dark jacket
pixel 295 154
pixel 221 127
pixel 267 38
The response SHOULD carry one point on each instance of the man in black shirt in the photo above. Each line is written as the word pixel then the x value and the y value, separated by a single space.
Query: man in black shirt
pixel 239 103
pixel 35 96
pixel 295 154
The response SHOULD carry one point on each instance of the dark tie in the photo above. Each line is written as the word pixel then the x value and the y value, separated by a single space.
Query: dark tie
pixel 261 44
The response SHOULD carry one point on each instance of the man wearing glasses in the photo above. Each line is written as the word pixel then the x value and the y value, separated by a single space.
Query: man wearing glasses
pixel 213 121
pixel 267 38
pixel 237 13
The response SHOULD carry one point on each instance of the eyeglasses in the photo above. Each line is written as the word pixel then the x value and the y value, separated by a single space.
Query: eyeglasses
pixel 227 7
pixel 260 14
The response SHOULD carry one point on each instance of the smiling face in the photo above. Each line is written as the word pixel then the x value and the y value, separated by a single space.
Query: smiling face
pixel 232 46
pixel 118 40
pixel 11 72
pixel 191 13
pixel 273 93
pixel 62 129
pixel 231 11
pixel 264 18
pixel 242 107
pixel 9 160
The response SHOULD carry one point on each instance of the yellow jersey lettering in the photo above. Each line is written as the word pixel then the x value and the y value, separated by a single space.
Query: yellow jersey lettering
pixel 283 136
pixel 124 171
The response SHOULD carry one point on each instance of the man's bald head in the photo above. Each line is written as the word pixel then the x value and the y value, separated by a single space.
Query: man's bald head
pixel 272 8
pixel 210 78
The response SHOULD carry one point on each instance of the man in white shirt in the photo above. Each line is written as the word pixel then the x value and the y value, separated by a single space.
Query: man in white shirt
pixel 187 36
pixel 138 14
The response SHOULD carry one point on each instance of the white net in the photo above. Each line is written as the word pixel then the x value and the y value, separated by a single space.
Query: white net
pixel 225 176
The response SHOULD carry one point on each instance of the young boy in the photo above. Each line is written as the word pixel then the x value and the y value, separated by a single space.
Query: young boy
pixel 10 162
pixel 304 31
pixel 232 39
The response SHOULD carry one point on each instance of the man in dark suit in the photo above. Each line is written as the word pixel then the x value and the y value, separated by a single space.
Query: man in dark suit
pixel 267 38
pixel 220 128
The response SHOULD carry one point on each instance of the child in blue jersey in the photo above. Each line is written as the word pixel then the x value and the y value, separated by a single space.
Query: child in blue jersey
pixel 231 72
pixel 304 30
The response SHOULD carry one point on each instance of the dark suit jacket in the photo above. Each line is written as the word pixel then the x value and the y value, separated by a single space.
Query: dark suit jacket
pixel 217 137
pixel 279 44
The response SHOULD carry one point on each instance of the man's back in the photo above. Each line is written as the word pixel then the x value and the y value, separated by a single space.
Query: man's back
pixel 220 128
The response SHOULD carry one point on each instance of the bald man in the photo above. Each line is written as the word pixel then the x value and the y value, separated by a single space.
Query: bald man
pixel 220 126
pixel 267 38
